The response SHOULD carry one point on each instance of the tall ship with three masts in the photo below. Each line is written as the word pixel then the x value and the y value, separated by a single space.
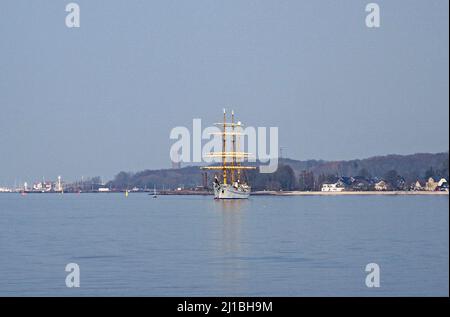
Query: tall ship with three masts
pixel 230 186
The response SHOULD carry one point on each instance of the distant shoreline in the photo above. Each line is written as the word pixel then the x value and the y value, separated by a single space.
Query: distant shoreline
pixel 346 193
pixel 267 193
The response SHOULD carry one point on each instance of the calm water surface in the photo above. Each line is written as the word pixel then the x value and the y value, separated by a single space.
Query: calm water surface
pixel 194 246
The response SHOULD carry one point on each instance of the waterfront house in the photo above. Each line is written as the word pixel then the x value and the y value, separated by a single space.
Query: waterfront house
pixel 417 186
pixel 441 182
pixel 345 181
pixel 381 186
pixel 400 184
pixel 336 187
pixel 443 185
pixel 431 185
pixel 360 183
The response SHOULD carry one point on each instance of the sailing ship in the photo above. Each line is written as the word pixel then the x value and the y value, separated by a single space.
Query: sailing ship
pixel 231 185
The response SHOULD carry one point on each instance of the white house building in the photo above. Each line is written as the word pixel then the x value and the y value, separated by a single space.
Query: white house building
pixel 431 185
pixel 417 186
pixel 381 186
pixel 336 187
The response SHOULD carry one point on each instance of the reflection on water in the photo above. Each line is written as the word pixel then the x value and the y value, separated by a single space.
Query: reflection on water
pixel 231 213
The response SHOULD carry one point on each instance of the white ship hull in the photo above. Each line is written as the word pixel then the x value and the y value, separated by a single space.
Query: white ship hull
pixel 230 192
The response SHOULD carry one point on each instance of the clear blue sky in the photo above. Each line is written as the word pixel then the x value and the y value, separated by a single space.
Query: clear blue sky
pixel 104 97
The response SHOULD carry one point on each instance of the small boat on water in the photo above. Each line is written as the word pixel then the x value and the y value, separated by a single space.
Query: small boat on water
pixel 231 186
pixel 154 192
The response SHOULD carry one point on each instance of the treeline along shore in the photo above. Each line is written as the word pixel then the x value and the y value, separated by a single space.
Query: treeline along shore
pixel 421 172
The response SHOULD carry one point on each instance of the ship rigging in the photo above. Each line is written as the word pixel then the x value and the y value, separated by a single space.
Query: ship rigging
pixel 231 185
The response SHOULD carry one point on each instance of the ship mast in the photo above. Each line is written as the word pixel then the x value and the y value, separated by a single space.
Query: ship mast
pixel 224 148
pixel 238 165
pixel 235 154
pixel 233 141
